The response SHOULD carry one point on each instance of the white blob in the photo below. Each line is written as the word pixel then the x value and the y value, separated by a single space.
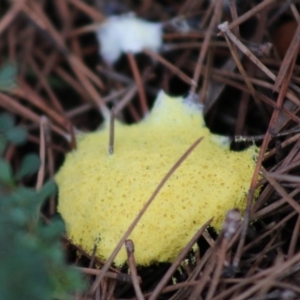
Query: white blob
pixel 126 33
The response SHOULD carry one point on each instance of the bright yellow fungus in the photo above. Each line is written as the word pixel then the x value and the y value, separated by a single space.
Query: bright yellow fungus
pixel 100 194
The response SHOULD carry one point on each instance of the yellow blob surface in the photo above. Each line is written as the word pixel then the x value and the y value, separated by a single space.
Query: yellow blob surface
pixel 101 194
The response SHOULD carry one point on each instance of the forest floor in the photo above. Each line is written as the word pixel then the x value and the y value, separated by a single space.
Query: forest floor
pixel 245 73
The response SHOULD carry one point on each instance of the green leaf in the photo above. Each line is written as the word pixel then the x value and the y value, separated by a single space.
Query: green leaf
pixel 3 144
pixel 5 172
pixel 8 74
pixel 16 135
pixel 48 189
pixel 30 165
pixel 7 121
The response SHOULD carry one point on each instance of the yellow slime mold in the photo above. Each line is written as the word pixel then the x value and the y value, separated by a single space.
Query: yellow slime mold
pixel 101 194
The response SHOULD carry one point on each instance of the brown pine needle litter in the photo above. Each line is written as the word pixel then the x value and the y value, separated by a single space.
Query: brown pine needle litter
pixel 236 58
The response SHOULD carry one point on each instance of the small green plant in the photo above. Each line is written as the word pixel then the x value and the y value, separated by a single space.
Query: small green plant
pixel 31 259
pixel 8 73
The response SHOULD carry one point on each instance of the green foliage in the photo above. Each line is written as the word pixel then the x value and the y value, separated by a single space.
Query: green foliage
pixel 8 73
pixel 5 172
pixel 9 133
pixel 30 165
pixel 31 259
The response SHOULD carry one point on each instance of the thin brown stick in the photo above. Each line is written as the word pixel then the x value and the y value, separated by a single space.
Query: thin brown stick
pixel 241 68
pixel 271 208
pixel 295 235
pixel 206 78
pixel 284 177
pixel 252 12
pixel 10 16
pixel 234 16
pixel 48 64
pixel 43 81
pixel 230 228
pixel 27 93
pixel 263 149
pixel 268 232
pixel 61 73
pixel 129 245
pixel 179 259
pixel 206 276
pixel 90 11
pixel 41 172
pixel 250 198
pixel 41 20
pixel 96 98
pixel 224 27
pixel 289 57
pixel 184 293
pixel 12 105
pixel 259 96
pixel 213 23
pixel 139 83
pixel 111 132
pixel 229 74
pixel 126 99
pixel 281 191
pixel 117 276
pixel 171 67
pixel 276 272
pixel 270 273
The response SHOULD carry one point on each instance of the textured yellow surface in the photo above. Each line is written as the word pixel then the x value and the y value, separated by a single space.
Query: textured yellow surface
pixel 101 194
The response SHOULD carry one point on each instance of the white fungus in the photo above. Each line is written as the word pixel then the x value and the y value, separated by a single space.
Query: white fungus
pixel 127 33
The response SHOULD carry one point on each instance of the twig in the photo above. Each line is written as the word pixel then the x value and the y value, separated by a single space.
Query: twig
pixel 170 66
pixel 10 16
pixel 179 259
pixel 139 83
pixel 41 172
pixel 255 10
pixel 111 132
pixel 129 245
pixel 214 21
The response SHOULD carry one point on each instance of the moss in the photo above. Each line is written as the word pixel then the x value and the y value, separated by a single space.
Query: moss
pixel 100 194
